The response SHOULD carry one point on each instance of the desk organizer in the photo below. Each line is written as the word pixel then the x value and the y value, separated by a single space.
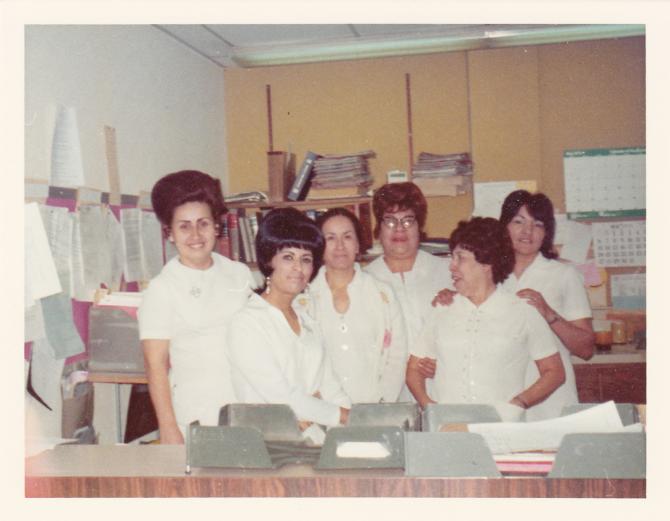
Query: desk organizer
pixel 437 414
pixel 448 454
pixel 612 455
pixel 405 415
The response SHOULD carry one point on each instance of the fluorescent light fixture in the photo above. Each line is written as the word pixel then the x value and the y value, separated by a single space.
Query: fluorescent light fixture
pixel 378 48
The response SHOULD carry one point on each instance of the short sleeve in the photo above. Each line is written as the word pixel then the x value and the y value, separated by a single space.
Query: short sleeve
pixel 425 342
pixel 575 300
pixel 155 313
pixel 540 338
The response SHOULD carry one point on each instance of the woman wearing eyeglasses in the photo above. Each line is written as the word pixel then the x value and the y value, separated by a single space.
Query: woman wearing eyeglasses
pixel 415 276
pixel 359 316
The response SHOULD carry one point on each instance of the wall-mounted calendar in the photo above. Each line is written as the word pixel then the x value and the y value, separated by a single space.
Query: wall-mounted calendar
pixel 604 182
pixel 617 244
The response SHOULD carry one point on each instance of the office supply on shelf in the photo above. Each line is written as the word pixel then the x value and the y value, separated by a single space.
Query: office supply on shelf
pixel 301 183
pixel 247 197
pixel 281 174
pixel 604 182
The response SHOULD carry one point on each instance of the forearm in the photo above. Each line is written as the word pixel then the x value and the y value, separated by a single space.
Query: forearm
pixel 161 398
pixel 577 336
pixel 551 378
pixel 417 383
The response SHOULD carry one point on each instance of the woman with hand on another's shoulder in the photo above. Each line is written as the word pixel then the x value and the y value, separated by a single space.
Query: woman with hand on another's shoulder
pixel 554 288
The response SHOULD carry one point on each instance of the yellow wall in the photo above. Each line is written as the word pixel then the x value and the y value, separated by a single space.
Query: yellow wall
pixel 514 109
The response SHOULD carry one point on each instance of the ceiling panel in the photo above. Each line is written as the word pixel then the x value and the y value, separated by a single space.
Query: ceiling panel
pixel 252 45
pixel 285 34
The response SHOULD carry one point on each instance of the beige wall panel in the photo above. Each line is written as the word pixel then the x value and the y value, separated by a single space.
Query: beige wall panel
pixel 349 106
pixel 592 96
pixel 504 102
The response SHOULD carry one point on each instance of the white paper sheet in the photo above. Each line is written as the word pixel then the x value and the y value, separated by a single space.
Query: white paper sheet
pixel 39 263
pixel 95 250
pixel 576 242
pixel 58 227
pixel 114 235
pixel 505 437
pixel 67 168
pixel 490 196
pixel 130 223
pixel 46 372
pixel 152 245
pixel 33 323
pixel 77 281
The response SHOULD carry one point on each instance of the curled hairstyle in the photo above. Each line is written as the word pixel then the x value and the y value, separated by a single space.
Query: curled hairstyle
pixel 395 197
pixel 343 212
pixel 186 186
pixel 489 241
pixel 540 208
pixel 287 228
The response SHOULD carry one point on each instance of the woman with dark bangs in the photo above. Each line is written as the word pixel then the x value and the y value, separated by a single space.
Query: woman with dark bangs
pixel 276 350
pixel 552 287
pixel 484 340
pixel 186 308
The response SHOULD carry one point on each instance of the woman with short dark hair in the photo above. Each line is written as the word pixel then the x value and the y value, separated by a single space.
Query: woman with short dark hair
pixel 185 310
pixel 485 339
pixel 554 288
pixel 276 350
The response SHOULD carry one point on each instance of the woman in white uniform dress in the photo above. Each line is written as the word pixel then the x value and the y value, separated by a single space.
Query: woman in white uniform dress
pixel 552 287
pixel 415 276
pixel 484 341
pixel 276 349
pixel 186 308
pixel 358 315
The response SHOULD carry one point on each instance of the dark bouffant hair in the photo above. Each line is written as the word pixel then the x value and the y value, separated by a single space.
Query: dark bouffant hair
pixel 395 197
pixel 186 186
pixel 287 228
pixel 540 208
pixel 488 239
pixel 343 212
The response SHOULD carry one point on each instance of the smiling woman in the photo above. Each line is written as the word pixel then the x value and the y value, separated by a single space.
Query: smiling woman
pixel 552 287
pixel 358 315
pixel 484 341
pixel 277 353
pixel 186 308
